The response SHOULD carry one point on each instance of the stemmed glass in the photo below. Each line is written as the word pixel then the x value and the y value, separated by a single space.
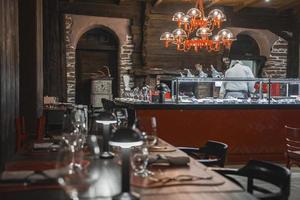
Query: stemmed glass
pixel 79 119
pixel 140 155
pixel 74 173
pixel 75 130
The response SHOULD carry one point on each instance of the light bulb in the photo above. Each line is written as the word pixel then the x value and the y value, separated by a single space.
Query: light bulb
pixel 194 12
pixel 217 14
pixel 186 19
pixel 177 16
pixel 167 36
pixel 179 33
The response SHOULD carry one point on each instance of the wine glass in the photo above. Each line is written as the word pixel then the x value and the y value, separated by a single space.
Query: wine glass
pixel 79 119
pixel 148 128
pixel 75 180
pixel 139 161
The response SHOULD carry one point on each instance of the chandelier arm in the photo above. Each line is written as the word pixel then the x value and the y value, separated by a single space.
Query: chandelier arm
pixel 200 6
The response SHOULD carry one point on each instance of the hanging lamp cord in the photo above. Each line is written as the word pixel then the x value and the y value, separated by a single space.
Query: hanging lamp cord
pixel 200 6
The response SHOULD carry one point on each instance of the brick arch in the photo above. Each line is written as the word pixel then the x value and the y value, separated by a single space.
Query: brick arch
pixel 264 38
pixel 276 66
pixel 76 26
pixel 116 37
pixel 271 46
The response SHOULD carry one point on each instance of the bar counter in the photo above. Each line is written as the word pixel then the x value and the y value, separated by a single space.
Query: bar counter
pixel 252 131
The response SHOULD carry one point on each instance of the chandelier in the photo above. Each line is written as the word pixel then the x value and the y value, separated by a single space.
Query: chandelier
pixel 195 30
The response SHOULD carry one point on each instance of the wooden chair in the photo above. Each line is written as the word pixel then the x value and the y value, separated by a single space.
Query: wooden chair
pixel 119 111
pixel 267 172
pixel 213 153
pixel 292 140
pixel 40 131
pixel 21 134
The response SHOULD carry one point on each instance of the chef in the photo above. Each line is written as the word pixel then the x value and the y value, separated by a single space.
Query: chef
pixel 238 89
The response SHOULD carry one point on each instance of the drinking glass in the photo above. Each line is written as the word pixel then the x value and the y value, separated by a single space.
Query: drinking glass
pixel 148 128
pixel 79 119
pixel 73 144
pixel 74 176
pixel 139 161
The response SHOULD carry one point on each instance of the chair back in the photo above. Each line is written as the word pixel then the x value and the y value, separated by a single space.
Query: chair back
pixel 40 129
pixel 217 150
pixel 292 141
pixel 119 111
pixel 268 172
pixel 108 105
pixel 21 135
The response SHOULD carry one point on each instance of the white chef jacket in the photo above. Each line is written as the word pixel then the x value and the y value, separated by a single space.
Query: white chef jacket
pixel 238 70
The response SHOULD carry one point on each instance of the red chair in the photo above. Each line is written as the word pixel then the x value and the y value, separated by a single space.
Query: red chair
pixel 21 134
pixel 40 132
pixel 292 139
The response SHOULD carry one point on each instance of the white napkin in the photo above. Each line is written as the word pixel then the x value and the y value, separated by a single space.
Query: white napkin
pixel 32 175
pixel 42 145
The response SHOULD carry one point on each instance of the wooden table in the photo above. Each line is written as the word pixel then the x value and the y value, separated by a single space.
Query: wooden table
pixel 109 181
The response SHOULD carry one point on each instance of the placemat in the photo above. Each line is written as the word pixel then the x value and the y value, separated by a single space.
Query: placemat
pixel 199 176
pixel 155 182
pixel 162 149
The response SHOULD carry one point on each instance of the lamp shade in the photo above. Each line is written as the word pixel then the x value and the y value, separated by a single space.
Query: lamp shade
pixel 217 14
pixel 167 36
pixel 126 138
pixel 177 16
pixel 194 12
pixel 106 118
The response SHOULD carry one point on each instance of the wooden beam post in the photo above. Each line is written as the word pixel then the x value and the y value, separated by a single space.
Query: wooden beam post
pixel 245 4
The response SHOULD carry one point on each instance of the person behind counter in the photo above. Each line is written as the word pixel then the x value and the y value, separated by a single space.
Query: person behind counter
pixel 238 89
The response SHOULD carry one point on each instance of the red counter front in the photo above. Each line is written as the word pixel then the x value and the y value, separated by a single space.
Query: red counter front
pixel 250 133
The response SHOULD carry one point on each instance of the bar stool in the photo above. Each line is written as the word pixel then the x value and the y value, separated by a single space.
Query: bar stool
pixel 292 142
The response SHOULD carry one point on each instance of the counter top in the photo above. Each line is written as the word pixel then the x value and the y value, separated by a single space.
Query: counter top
pixel 173 105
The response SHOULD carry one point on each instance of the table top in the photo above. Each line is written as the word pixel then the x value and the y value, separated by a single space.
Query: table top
pixel 110 181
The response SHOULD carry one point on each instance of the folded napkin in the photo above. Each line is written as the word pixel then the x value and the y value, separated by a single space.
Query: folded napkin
pixel 45 146
pixel 31 175
pixel 42 145
pixel 169 160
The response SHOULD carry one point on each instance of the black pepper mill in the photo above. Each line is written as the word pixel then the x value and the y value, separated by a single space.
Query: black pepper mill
pixel 162 88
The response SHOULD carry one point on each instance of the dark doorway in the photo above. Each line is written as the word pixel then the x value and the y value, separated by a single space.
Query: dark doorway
pixel 96 48
pixel 246 49
pixel 245 46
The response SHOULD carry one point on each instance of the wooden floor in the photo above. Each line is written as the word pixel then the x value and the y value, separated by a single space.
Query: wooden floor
pixel 295 182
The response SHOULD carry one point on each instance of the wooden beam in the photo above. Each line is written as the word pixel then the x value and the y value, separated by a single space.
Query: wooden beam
pixel 156 2
pixel 245 4
pixel 289 5
pixel 212 3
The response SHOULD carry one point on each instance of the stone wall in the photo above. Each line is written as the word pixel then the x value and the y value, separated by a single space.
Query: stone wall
pixel 70 60
pixel 276 65
pixel 76 26
pixel 126 61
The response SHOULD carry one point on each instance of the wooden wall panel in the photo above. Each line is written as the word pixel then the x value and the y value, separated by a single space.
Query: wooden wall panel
pixel 53 72
pixel 9 75
pixel 31 62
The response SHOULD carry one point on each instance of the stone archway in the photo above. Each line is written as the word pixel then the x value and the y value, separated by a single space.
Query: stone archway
pixel 76 26
pixel 264 38
pixel 273 47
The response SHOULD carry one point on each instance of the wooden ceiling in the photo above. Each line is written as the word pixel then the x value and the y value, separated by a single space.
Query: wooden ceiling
pixel 238 5
pixel 279 5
